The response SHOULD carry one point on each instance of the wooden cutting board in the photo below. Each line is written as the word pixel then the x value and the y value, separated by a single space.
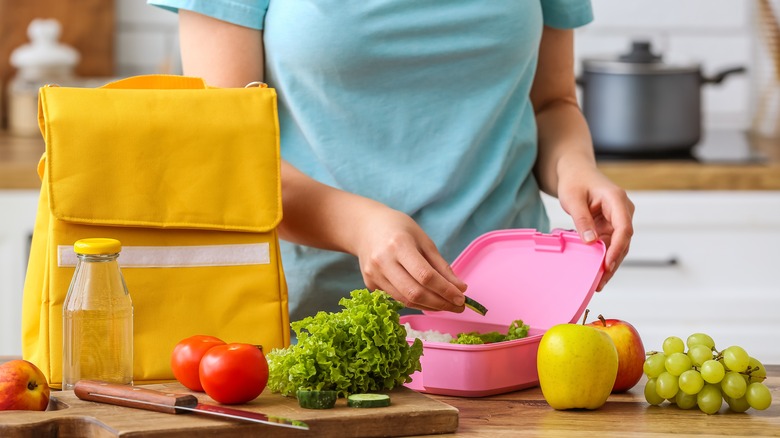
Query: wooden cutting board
pixel 410 413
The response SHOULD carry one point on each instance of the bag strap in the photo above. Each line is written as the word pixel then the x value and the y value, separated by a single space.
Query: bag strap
pixel 158 81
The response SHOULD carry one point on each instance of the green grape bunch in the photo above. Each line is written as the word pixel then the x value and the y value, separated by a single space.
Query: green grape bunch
pixel 705 377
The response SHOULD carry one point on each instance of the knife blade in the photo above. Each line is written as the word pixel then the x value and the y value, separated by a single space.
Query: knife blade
pixel 170 403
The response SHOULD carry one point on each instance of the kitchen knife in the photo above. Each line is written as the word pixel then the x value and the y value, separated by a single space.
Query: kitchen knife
pixel 170 403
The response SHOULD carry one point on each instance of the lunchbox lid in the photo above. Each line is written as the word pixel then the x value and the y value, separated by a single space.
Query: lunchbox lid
pixel 542 278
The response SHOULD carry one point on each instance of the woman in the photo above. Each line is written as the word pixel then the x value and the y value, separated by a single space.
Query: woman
pixel 411 115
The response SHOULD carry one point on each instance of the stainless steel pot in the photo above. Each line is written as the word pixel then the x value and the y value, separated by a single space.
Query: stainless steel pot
pixel 637 104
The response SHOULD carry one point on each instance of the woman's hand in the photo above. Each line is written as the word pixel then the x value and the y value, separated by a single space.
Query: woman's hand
pixel 395 254
pixel 566 166
pixel 398 257
pixel 600 210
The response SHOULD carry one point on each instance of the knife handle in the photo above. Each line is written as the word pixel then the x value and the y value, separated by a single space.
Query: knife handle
pixel 133 396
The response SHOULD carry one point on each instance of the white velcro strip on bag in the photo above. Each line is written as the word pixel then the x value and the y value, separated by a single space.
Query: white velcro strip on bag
pixel 180 256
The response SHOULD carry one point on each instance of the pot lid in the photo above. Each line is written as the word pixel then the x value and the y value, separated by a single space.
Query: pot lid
pixel 640 59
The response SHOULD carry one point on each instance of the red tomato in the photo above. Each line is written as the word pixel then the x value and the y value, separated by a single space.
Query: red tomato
pixel 186 357
pixel 234 373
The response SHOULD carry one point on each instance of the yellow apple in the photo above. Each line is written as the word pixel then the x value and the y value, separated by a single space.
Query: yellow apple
pixel 23 387
pixel 577 366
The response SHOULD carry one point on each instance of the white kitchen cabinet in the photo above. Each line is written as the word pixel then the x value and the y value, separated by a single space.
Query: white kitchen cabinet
pixel 699 262
pixel 17 218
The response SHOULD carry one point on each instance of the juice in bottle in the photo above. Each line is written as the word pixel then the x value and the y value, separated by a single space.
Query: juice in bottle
pixel 97 317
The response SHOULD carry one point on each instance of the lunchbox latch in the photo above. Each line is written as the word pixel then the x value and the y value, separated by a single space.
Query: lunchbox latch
pixel 549 242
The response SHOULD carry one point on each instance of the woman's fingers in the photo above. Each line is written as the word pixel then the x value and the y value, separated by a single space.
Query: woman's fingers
pixel 417 277
pixel 397 281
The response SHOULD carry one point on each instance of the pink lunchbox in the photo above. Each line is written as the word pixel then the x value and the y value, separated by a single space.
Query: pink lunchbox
pixel 543 279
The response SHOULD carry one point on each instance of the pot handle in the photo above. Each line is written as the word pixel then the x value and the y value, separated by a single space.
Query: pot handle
pixel 719 77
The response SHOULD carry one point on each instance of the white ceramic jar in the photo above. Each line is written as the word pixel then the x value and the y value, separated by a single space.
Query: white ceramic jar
pixel 42 61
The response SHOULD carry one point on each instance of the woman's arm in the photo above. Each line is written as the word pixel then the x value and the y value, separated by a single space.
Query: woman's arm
pixel 224 54
pixel 395 255
pixel 566 166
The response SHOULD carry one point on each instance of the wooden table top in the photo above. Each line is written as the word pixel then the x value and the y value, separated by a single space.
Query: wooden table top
pixel 19 158
pixel 525 413
pixel 723 160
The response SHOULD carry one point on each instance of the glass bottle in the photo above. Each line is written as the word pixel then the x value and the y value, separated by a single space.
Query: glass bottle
pixel 97 317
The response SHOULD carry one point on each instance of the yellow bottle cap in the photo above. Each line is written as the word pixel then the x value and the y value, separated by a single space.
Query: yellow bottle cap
pixel 97 245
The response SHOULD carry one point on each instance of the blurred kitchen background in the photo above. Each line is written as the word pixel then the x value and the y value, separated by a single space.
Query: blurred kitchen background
pixel 128 37
pixel 704 254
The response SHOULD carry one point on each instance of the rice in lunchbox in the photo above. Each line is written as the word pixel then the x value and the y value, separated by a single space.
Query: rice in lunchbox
pixel 427 335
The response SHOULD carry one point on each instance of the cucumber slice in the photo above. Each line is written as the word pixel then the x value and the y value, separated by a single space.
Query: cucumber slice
pixel 472 304
pixel 317 399
pixel 368 400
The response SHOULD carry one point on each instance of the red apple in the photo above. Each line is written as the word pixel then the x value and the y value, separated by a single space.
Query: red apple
pixel 631 351
pixel 23 387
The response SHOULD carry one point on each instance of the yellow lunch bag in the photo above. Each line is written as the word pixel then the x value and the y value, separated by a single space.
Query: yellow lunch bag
pixel 187 177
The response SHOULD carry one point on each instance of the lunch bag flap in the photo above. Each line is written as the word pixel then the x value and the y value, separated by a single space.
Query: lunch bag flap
pixel 203 169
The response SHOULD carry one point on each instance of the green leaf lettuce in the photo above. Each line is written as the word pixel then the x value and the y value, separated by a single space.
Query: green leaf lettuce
pixel 516 330
pixel 362 348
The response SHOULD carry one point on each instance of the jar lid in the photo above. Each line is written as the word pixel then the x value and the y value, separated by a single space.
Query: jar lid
pixel 44 49
pixel 640 59
pixel 97 245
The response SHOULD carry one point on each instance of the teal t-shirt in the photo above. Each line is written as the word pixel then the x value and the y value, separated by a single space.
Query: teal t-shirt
pixel 420 104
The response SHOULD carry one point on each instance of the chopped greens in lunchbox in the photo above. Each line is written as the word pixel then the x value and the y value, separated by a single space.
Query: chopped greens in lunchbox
pixel 360 349
pixel 516 330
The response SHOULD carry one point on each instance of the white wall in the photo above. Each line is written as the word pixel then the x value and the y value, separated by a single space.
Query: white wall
pixel 147 40
pixel 715 33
